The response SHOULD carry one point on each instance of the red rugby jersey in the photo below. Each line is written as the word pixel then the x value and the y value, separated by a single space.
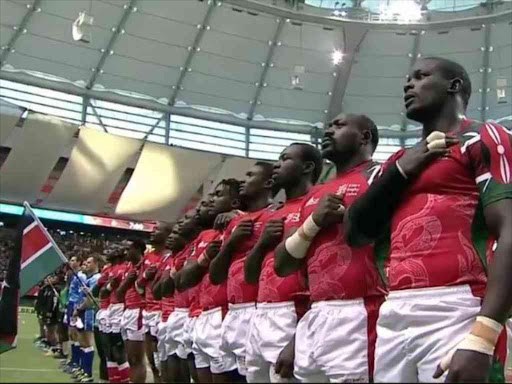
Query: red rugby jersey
pixel 211 296
pixel 438 233
pixel 336 271
pixel 272 288
pixel 166 303
pixel 239 291
pixel 181 299
pixel 132 298
pixel 117 273
pixel 151 259
pixel 102 281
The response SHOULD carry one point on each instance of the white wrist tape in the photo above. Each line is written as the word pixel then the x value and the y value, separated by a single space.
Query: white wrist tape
pixel 203 259
pixel 436 135
pixel 298 244
pixel 139 290
pixel 437 144
pixel 310 228
pixel 483 337
pixel 108 287
pixel 401 170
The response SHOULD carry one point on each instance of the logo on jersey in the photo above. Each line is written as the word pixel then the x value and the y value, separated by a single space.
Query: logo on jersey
pixel 348 190
pixel 312 201
pixel 292 217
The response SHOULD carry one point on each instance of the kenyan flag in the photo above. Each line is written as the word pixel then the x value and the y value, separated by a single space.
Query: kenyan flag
pixel 35 256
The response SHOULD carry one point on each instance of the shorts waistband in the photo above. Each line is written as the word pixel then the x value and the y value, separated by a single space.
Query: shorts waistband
pixel 207 312
pixel 182 310
pixel 429 293
pixel 337 303
pixel 282 304
pixel 236 307
pixel 116 305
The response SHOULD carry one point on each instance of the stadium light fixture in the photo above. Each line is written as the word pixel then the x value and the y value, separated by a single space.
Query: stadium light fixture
pixel 337 56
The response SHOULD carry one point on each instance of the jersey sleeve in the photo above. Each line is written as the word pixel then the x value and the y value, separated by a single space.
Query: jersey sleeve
pixel 489 153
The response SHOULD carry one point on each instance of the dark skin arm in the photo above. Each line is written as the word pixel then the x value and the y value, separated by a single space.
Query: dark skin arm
pixel 168 285
pixel 286 359
pixel 326 213
pixel 367 217
pixel 156 289
pixel 219 266
pixel 284 263
pixel 120 292
pixel 270 237
pixel 193 272
pixel 470 365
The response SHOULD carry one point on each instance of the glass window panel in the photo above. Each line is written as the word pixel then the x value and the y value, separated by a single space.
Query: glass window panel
pixel 206 139
pixel 207 123
pixel 207 131
pixel 207 147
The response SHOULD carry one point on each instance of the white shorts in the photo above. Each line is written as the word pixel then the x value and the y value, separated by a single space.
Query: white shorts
pixel 235 332
pixel 418 327
pixel 115 315
pixel 161 336
pixel 207 339
pixel 103 321
pixel 150 321
pixel 185 344
pixel 272 327
pixel 176 325
pixel 332 342
pixel 131 325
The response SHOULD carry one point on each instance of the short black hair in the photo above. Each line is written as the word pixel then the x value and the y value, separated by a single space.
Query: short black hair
pixel 365 122
pixel 311 153
pixel 138 244
pixel 233 186
pixel 451 70
pixel 268 168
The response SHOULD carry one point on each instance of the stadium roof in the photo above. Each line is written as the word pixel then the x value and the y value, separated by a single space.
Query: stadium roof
pixel 234 61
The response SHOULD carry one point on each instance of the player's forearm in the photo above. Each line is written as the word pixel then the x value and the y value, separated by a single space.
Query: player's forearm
pixel 95 291
pixel 219 266
pixel 369 215
pixel 284 263
pixel 192 274
pixel 120 292
pixel 253 262
pixel 156 289
pixel 497 302
pixel 168 286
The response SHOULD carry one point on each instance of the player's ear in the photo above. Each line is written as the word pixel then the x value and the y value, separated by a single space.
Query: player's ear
pixel 236 204
pixel 455 85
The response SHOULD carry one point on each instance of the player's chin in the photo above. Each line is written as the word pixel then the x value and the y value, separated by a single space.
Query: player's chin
pixel 415 113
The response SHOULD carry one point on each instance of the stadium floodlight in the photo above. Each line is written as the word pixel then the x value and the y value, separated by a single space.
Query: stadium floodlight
pixel 404 11
pixel 337 56
pixel 81 28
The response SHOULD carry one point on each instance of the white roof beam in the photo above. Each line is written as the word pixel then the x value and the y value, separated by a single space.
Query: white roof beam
pixel 194 48
pixel 261 83
pixel 129 8
pixel 353 36
pixel 31 9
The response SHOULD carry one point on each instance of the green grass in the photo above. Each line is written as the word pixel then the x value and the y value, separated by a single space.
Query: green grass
pixel 27 364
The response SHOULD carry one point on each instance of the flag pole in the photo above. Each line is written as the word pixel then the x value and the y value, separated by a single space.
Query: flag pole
pixel 59 252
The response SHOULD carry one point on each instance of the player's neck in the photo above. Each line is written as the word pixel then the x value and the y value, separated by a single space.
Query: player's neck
pixel 346 165
pixel 259 202
pixel 447 120
pixel 298 190
pixel 159 248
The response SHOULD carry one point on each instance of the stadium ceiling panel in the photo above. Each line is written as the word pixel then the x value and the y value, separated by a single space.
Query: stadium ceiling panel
pixel 262 62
